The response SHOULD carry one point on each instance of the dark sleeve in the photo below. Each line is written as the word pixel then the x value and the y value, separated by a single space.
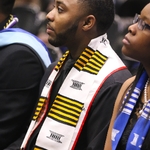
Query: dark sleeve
pixel 95 129
pixel 47 74
pixel 21 73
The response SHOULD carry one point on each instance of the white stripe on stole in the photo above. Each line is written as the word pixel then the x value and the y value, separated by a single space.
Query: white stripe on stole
pixel 126 111
pixel 137 90
pixel 130 104
pixel 134 95
pixel 145 113
pixel 147 110
pixel 132 100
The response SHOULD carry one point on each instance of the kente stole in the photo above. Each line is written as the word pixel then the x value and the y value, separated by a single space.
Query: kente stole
pixel 66 117
pixel 142 125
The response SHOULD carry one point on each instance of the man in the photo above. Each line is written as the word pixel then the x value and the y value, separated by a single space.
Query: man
pixel 23 60
pixel 78 94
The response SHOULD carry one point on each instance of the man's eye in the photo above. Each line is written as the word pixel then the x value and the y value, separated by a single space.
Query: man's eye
pixel 60 9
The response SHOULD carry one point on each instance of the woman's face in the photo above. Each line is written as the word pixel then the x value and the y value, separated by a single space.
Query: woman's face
pixel 136 43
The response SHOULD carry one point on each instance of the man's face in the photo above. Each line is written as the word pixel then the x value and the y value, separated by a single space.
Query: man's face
pixel 63 22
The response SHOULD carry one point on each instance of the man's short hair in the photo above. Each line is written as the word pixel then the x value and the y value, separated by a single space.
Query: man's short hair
pixel 103 10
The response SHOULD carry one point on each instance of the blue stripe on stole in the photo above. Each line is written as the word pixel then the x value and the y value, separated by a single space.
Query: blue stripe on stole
pixel 140 130
pixel 122 119
pixel 124 115
pixel 16 35
pixel 131 103
pixel 146 112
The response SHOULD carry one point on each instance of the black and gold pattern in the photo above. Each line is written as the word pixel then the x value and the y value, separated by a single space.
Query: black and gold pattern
pixel 90 61
pixel 8 22
pixel 39 148
pixel 39 109
pixel 60 62
pixel 66 110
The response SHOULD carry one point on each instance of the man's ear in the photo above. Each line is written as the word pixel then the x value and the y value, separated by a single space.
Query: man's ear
pixel 89 22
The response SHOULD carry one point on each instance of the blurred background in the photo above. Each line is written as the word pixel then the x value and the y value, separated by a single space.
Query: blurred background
pixel 32 14
pixel 32 17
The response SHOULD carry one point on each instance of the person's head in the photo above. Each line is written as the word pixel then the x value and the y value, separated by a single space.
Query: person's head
pixel 6 6
pixel 74 18
pixel 136 43
pixel 102 10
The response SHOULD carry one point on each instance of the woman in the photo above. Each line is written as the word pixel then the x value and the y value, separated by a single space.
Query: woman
pixel 130 124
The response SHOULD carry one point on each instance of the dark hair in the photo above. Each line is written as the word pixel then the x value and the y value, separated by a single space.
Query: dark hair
pixel 103 10
pixel 6 6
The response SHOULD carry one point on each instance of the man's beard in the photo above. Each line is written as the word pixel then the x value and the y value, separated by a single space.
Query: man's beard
pixel 65 37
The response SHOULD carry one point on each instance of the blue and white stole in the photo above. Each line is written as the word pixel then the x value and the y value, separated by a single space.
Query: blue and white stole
pixel 141 127
pixel 16 35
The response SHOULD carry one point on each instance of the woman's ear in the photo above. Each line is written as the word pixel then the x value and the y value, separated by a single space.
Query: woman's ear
pixel 89 22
